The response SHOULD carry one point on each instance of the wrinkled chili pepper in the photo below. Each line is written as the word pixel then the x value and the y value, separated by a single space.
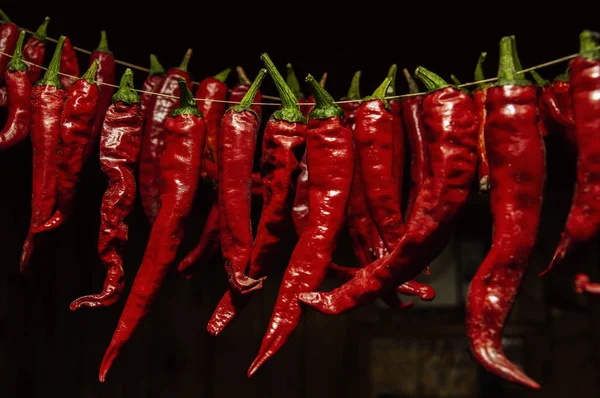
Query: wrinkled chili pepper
pixel 153 139
pixel 398 133
pixel 516 155
pixel 479 96
pixel 47 97
pixel 119 152
pixel 68 65
pixel 9 34
pixel 19 101
pixel 583 221
pixel 583 285
pixel 155 79
pixel 180 165
pixel 34 51
pixel 450 126
pixel 283 142
pixel 329 190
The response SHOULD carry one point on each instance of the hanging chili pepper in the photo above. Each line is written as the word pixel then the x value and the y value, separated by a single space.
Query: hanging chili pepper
pixel 479 97
pixel 450 126
pixel 583 285
pixel 68 65
pixel 119 153
pixel 516 156
pixel 560 107
pixel 283 142
pixel 105 74
pixel 398 133
pixel 19 101
pixel 34 51
pixel 583 221
pixel 9 34
pixel 155 79
pixel 153 139
pixel 329 190
pixel 76 124
pixel 47 97
pixel 180 165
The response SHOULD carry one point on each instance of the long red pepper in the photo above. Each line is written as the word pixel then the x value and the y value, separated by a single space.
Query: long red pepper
pixel 329 190
pixel 153 139
pixel 34 50
pixel 19 100
pixel 119 152
pixel 9 34
pixel 47 99
pixel 283 142
pixel 516 156
pixel 450 126
pixel 180 165
pixel 155 79
pixel 398 133
pixel 68 65
pixel 479 96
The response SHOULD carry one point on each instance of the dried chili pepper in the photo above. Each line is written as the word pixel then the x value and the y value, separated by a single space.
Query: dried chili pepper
pixel 516 157
pixel 479 97
pixel 398 133
pixel 283 142
pixel 119 152
pixel 47 97
pixel 68 65
pixel 9 34
pixel 450 126
pixel 19 101
pixel 34 50
pixel 583 285
pixel 155 79
pixel 180 165
pixel 153 139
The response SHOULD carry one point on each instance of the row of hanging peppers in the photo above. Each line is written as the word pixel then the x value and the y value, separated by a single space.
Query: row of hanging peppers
pixel 324 165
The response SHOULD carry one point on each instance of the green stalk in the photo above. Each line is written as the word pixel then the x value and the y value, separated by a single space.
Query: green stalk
pixel 186 60
pixel 293 83
pixel 538 79
pixel 156 69
pixel 323 80
pixel 325 104
pixel 246 102
pixel 42 31
pixel 4 17
pixel 563 77
pixel 479 67
pixel 379 93
pixel 126 92
pixel 103 45
pixel 222 76
pixel 455 80
pixel 90 74
pixel 290 111
pixel 51 76
pixel 16 63
pixel 507 73
pixel 412 84
pixel 187 103
pixel 588 46
pixel 431 81
pixel 391 90
pixel 517 61
pixel 242 78
pixel 354 90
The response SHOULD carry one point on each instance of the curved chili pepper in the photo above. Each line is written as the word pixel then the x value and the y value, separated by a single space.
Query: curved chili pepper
pixel 583 285
pixel 119 153
pixel 155 79
pixel 153 139
pixel 283 142
pixel 68 65
pixel 479 97
pixel 19 101
pixel 47 97
pixel 516 156
pixel 329 190
pixel 180 165
pixel 34 51
pixel 398 133
pixel 450 126
pixel 105 74
pixel 9 34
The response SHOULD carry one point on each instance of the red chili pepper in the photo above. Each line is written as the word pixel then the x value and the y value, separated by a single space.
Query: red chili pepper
pixel 119 153
pixel 19 101
pixel 398 133
pixel 479 98
pixel 34 51
pixel 516 156
pixel 105 74
pixel 583 285
pixel 283 142
pixel 3 96
pixel 9 34
pixel 153 139
pixel 155 80
pixel 47 98
pixel 450 126
pixel 180 165
pixel 68 65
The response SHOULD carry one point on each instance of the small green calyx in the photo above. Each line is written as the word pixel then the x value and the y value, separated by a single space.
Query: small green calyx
pixel 90 75
pixel 156 69
pixel 431 81
pixel 391 90
pixel 588 47
pixel 51 76
pixel 538 79
pixel 479 75
pixel 41 32
pixel 379 93
pixel 507 72
pixel 16 63
pixel 354 90
pixel 563 77
pixel 412 84
pixel 222 76
pixel 187 103
pixel 246 103
pixel 290 111
pixel 292 81
pixel 126 92
pixel 326 106
pixel 103 45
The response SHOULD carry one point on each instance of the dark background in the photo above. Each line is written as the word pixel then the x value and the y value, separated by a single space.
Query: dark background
pixel 46 350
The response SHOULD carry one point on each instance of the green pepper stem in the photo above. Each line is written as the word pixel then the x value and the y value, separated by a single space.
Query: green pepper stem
pixel 242 77
pixel 293 83
pixel 246 102
pixel 156 69
pixel 507 73
pixel 479 75
pixel 323 80
pixel 391 90
pixel 187 103
pixel 379 93
pixel 587 45
pixel 126 93
pixel 455 80
pixel 222 76
pixel 431 81
pixel 325 104
pixel 412 84
pixel 103 45
pixel 354 90
pixel 4 17
pixel 16 63
pixel 538 79
pixel 517 61
pixel 51 76
pixel 563 77
pixel 186 60
pixel 42 31
pixel 90 74
pixel 290 111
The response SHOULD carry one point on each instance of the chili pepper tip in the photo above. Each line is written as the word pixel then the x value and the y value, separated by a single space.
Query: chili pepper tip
pixel 126 93
pixel 222 76
pixel 187 103
pixel 242 77
pixel 156 69
pixel 4 17
pixel 42 30
pixel 354 90
pixel 103 45
pixel 431 81
pixel 186 60
pixel 246 102
pixel 90 74
pixel 51 77
pixel 507 72
pixel 16 63
pixel 391 90
pixel 412 84
pixel 293 83
pixel 379 93
pixel 290 111
pixel 326 106
pixel 479 75
pixel 587 44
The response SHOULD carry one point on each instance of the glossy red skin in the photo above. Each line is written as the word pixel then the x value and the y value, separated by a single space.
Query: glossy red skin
pixel 33 52
pixel 583 285
pixel 151 85
pixel 3 97
pixel 300 207
pixel 556 111
pixel 211 88
pixel 374 141
pixel 153 141
pixel 9 34
pixel 105 74
pixel 180 172
pixel 18 121
pixel 398 148
pixel 119 153
pixel 583 221
pixel 46 108
pixel 282 142
pixel 360 225
pixel 516 155
pixel 68 65
pixel 451 133
pixel 483 167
